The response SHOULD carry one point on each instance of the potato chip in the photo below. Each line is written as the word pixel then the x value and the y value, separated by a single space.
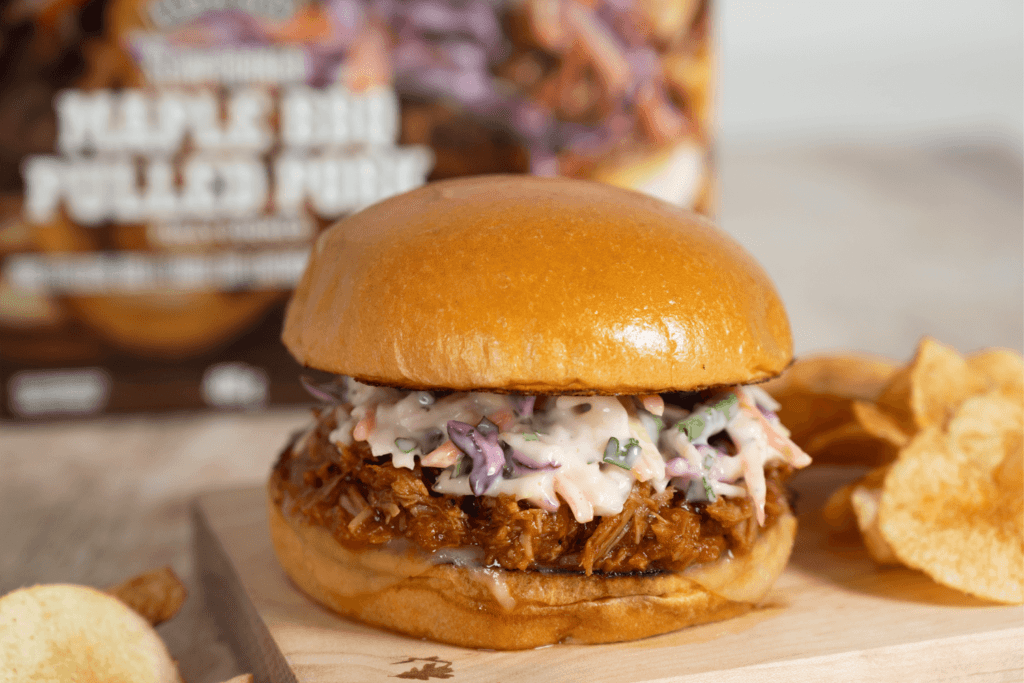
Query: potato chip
pixel 1002 369
pixel 864 499
pixel 817 396
pixel 156 595
pixel 848 376
pixel 817 393
pixel 953 504
pixel 62 632
pixel 838 511
pixel 807 415
pixel 849 444
pixel 856 504
pixel 931 389
pixel 879 424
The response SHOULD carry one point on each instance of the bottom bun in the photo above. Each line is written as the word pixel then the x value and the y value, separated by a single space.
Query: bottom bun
pixel 473 606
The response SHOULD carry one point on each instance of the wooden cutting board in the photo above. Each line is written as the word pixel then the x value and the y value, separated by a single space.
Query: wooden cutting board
pixel 832 616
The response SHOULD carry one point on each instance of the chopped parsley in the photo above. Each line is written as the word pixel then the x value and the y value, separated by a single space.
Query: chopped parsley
pixel 726 404
pixel 692 426
pixel 708 491
pixel 623 457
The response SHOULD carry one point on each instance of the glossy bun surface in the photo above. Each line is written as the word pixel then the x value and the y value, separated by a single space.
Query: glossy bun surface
pixel 536 285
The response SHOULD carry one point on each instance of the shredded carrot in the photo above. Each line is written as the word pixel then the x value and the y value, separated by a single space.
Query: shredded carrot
pixel 362 430
pixel 504 418
pixel 653 403
pixel 444 455
pixel 582 508
pixel 777 441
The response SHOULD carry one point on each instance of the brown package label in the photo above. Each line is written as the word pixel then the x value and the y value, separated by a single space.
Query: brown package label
pixel 166 163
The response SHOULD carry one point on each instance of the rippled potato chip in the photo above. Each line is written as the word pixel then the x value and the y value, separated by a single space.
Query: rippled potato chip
pixel 817 396
pixel 156 595
pixel 843 375
pixel 865 496
pixel 1002 369
pixel 931 388
pixel 879 424
pixel 856 505
pixel 63 632
pixel 838 511
pixel 953 503
pixel 849 444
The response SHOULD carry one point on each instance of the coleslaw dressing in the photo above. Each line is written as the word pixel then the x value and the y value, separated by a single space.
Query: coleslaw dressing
pixel 565 441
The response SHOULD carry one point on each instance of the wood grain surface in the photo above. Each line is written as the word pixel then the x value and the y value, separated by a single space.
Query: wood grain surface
pixel 833 615
pixel 870 248
pixel 95 502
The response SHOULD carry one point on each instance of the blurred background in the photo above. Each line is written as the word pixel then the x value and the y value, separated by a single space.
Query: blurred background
pixel 869 154
pixel 798 71
pixel 871 158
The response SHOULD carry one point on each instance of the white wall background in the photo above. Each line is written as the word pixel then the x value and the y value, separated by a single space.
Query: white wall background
pixel 818 70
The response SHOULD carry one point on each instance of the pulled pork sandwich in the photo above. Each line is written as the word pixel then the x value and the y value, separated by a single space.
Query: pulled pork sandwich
pixel 542 427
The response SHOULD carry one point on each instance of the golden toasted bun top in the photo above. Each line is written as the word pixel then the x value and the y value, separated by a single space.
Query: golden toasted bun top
pixel 535 285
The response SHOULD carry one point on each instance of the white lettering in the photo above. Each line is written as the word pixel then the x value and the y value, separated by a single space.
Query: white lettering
pixel 335 184
pixel 59 392
pixel 122 155
pixel 165 13
pixel 336 117
pixel 95 190
pixel 125 272
pixel 42 187
pixel 166 64
pixel 84 119
pixel 134 121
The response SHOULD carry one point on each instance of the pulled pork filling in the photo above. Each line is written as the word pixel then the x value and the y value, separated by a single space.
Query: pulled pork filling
pixel 605 484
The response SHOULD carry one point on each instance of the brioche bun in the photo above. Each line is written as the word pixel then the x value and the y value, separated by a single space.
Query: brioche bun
pixel 511 610
pixel 535 285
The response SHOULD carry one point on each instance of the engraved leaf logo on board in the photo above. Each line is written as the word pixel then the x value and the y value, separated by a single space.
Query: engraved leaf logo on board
pixel 433 667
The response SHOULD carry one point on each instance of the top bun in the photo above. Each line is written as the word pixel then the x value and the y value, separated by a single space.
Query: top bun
pixel 535 285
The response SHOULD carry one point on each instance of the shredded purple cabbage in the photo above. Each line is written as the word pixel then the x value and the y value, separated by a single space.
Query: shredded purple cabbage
pixel 524 405
pixel 483 451
pixel 681 467
pixel 328 392
pixel 710 465
pixel 518 464
pixel 707 451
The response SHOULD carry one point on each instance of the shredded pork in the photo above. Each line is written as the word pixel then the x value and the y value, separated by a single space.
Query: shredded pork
pixel 365 501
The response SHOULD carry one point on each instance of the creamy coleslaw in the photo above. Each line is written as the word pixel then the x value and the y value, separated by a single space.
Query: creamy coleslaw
pixel 584 450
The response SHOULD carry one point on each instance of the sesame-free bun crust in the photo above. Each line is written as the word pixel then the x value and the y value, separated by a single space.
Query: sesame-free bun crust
pixel 535 285
pixel 512 610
